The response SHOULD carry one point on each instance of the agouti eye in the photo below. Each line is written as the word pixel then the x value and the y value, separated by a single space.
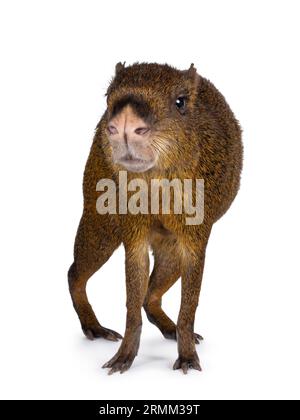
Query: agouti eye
pixel 180 104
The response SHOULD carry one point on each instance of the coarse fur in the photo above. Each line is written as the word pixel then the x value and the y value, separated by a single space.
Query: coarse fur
pixel 201 142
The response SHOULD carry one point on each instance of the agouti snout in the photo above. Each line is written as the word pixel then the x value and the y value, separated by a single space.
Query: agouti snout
pixel 130 138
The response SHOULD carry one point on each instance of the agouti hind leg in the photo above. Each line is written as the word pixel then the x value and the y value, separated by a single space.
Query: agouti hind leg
pixel 93 247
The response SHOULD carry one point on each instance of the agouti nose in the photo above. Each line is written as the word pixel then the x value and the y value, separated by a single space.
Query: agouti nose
pixel 140 131
pixel 127 125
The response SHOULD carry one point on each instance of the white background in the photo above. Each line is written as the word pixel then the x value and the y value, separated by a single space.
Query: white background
pixel 57 58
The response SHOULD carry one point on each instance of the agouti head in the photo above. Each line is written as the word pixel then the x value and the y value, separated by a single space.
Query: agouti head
pixel 150 116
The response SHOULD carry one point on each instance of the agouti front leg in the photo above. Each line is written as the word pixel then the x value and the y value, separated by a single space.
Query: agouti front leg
pixel 93 247
pixel 166 271
pixel 137 274
pixel 193 265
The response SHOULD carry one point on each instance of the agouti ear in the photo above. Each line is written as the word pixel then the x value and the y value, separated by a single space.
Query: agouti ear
pixel 119 66
pixel 192 74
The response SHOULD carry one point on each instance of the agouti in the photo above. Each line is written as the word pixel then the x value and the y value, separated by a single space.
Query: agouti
pixel 160 123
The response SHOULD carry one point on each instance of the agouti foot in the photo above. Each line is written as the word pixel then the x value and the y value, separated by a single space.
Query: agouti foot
pixel 100 332
pixel 119 363
pixel 187 363
pixel 171 335
pixel 198 338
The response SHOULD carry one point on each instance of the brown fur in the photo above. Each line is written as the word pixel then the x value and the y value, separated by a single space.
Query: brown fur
pixel 204 143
